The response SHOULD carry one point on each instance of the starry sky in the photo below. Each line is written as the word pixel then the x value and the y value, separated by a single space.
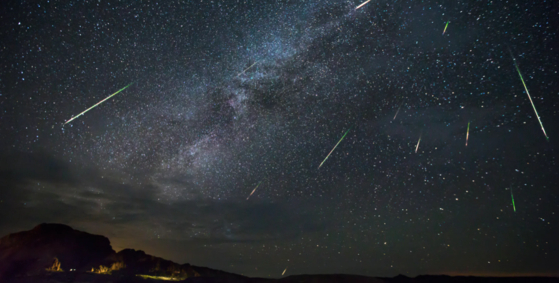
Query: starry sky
pixel 231 95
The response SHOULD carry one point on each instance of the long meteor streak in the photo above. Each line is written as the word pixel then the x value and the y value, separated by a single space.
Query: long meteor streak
pixel 254 190
pixel 97 104
pixel 284 271
pixel 445 27
pixel 333 149
pixel 467 133
pixel 417 146
pixel 363 4
pixel 514 207
pixel 530 97
pixel 247 69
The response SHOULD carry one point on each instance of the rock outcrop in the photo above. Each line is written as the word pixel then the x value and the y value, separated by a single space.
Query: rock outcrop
pixel 51 248
pixel 47 244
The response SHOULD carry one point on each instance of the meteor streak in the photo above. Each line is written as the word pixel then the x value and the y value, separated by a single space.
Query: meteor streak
pixel 284 271
pixel 417 146
pixel 397 111
pixel 254 190
pixel 333 149
pixel 445 27
pixel 514 207
pixel 530 97
pixel 247 69
pixel 468 134
pixel 363 4
pixel 97 104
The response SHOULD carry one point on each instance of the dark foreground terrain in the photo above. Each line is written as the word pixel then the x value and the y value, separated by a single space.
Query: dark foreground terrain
pixel 56 253
pixel 99 278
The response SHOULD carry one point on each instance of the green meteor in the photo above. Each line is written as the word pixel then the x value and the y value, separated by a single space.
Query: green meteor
pixel 445 27
pixel 334 148
pixel 97 104
pixel 528 93
pixel 514 207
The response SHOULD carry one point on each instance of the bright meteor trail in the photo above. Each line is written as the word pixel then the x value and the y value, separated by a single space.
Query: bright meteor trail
pixel 417 146
pixel 445 27
pixel 514 207
pixel 97 104
pixel 363 4
pixel 467 133
pixel 333 148
pixel 530 97
pixel 254 190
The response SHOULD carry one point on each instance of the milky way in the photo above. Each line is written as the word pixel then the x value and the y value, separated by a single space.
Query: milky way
pixel 233 95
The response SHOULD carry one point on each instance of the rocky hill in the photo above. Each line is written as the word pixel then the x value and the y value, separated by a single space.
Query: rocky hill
pixel 46 245
pixel 50 248
pixel 56 253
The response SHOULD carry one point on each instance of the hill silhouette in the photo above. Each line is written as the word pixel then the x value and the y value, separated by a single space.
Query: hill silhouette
pixel 57 253
pixel 48 249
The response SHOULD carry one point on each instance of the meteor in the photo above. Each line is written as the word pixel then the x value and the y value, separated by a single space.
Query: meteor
pixel 97 104
pixel 445 27
pixel 397 111
pixel 254 190
pixel 514 207
pixel 530 97
pixel 247 69
pixel 333 149
pixel 417 146
pixel 284 271
pixel 363 4
pixel 468 133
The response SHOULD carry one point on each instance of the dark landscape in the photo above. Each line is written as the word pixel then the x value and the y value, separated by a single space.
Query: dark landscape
pixel 57 253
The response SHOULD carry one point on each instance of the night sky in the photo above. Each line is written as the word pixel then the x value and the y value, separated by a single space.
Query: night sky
pixel 167 164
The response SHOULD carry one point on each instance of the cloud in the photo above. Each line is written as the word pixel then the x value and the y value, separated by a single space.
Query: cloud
pixel 42 188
